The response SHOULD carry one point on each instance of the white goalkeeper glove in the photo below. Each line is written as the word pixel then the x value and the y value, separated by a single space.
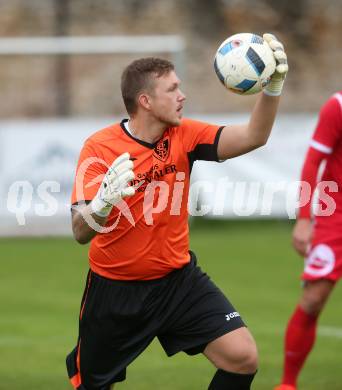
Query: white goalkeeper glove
pixel 114 186
pixel 278 77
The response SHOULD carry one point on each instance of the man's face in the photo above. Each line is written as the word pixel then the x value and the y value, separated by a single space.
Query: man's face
pixel 167 99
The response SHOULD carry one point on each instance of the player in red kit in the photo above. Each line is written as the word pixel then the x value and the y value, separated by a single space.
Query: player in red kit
pixel 318 239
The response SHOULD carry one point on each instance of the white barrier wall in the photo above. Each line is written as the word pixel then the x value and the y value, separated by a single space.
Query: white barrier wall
pixel 262 183
pixel 38 159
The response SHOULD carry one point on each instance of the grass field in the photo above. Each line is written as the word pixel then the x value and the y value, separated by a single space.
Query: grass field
pixel 42 280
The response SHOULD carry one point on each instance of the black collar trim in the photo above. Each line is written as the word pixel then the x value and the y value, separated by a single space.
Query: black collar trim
pixel 139 141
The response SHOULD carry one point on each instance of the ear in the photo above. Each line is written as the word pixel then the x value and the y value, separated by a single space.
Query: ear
pixel 144 100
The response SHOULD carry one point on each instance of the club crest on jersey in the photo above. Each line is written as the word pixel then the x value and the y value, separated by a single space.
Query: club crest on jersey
pixel 162 150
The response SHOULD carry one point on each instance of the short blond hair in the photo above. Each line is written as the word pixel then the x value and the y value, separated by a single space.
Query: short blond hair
pixel 138 76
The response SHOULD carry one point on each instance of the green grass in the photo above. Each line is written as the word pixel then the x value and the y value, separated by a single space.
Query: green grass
pixel 41 284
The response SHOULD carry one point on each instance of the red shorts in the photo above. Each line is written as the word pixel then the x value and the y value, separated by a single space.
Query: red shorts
pixel 324 260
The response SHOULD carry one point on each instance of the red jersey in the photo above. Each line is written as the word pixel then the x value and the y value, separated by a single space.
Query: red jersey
pixel 327 140
pixel 152 238
pixel 328 136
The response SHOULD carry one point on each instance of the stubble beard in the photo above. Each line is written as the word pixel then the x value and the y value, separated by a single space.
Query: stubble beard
pixel 169 122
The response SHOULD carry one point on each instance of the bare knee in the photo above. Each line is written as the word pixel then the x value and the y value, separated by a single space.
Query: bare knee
pixel 245 360
pixel 312 305
pixel 234 352
pixel 315 295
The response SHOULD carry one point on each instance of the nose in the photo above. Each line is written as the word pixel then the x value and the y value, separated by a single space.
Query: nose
pixel 181 96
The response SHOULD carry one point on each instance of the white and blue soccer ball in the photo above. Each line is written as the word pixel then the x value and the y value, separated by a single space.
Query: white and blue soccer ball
pixel 244 63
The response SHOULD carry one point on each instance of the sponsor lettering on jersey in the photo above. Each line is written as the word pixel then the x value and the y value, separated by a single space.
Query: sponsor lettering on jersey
pixel 154 173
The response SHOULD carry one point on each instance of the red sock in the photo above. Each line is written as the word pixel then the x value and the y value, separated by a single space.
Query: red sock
pixel 299 340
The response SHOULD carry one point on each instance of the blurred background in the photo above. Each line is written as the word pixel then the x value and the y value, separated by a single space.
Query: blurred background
pixel 55 93
pixel 60 67
pixel 81 85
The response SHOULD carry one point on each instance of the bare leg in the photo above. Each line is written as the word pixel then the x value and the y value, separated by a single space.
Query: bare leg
pixel 234 352
pixel 315 295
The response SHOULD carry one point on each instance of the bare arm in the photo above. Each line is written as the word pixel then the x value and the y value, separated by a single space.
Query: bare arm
pixel 83 232
pixel 301 235
pixel 88 220
pixel 236 140
pixel 240 139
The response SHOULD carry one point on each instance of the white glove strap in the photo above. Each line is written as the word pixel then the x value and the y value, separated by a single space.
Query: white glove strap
pixel 100 207
pixel 274 88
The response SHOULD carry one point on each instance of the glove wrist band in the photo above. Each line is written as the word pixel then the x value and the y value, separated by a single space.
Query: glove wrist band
pixel 100 207
pixel 274 88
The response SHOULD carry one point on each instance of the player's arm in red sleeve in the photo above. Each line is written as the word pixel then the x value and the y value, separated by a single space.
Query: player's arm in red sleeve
pixel 324 139
pixel 236 140
pixel 302 231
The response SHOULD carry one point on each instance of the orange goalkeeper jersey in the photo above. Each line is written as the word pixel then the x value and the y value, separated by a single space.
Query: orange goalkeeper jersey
pixel 148 235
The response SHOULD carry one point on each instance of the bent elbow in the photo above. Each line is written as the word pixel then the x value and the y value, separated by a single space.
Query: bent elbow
pixel 260 142
pixel 263 142
pixel 255 145
pixel 81 240
pixel 79 237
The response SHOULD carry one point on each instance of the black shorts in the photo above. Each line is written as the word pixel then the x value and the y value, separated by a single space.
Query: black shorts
pixel 119 319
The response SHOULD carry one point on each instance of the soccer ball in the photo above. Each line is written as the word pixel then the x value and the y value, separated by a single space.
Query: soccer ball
pixel 244 63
